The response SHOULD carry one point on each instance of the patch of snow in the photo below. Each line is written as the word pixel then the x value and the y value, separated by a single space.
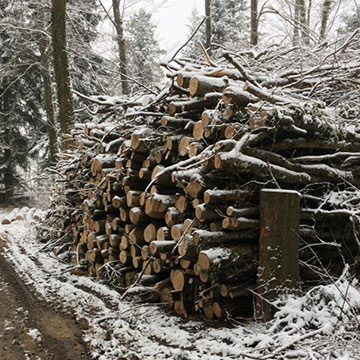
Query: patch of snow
pixel 293 192
pixel 35 334
pixel 304 327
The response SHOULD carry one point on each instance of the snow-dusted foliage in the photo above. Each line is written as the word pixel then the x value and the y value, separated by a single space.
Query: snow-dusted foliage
pixel 23 124
pixel 230 27
pixel 144 50
pixel 321 308
pixel 89 70
pixel 192 50
pixel 230 23
pixel 20 91
pixel 301 22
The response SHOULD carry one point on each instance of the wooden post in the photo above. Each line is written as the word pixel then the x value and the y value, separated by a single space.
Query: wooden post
pixel 278 248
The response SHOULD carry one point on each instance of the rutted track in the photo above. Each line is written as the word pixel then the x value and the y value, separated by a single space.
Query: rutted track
pixel 30 328
pixel 40 300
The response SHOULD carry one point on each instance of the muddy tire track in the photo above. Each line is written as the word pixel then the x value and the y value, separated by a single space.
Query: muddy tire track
pixel 32 329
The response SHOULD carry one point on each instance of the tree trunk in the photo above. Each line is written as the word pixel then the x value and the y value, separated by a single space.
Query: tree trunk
pixel 253 22
pixel 9 178
pixel 279 248
pixel 300 23
pixel 296 22
pixel 45 61
pixel 121 46
pixel 325 17
pixel 303 22
pixel 208 25
pixel 61 68
pixel 8 167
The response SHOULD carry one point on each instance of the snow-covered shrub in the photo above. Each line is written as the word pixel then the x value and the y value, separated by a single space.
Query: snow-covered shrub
pixel 323 307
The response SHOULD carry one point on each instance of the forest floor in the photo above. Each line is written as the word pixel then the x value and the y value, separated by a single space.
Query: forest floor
pixel 48 313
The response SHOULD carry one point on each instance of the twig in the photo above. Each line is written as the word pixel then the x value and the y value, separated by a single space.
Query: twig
pixel 188 40
pixel 73 268
pixel 286 346
pixel 272 175
pixel 183 235
pixel 241 68
pixel 178 166
pixel 138 278
pixel 206 55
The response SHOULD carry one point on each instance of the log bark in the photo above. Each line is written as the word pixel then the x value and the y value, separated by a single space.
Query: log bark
pixel 161 246
pixel 201 85
pixel 221 196
pixel 174 122
pixel 163 233
pixel 208 238
pixel 247 164
pixel 237 96
pixel 137 216
pixel 61 69
pixel 280 212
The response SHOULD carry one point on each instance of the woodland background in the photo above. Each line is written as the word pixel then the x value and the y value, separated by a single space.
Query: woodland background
pixel 49 54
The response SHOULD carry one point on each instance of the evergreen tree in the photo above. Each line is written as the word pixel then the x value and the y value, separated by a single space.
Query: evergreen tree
pixel 229 24
pixel 192 50
pixel 20 92
pixel 87 68
pixel 352 22
pixel 45 65
pixel 144 49
pixel 23 126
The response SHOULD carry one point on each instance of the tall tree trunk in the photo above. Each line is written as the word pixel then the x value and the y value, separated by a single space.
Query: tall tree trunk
pixel 121 46
pixel 8 167
pixel 308 14
pixel 303 22
pixel 254 22
pixel 61 68
pixel 300 23
pixel 44 47
pixel 296 22
pixel 325 17
pixel 208 26
pixel 9 180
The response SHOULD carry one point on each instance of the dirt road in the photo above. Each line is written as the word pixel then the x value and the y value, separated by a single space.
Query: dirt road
pixel 30 329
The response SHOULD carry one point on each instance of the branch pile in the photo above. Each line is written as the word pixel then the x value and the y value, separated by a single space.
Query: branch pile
pixel 160 197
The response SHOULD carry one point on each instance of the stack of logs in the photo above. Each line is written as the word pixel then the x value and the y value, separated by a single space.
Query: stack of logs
pixel 32 215
pixel 163 202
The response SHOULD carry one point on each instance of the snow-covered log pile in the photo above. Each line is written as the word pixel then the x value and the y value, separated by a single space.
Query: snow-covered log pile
pixel 160 197
pixel 31 215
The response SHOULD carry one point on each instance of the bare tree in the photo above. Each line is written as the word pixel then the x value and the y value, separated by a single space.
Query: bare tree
pixel 326 8
pixel 300 22
pixel 296 22
pixel 208 25
pixel 118 23
pixel 61 69
pixel 304 26
pixel 254 36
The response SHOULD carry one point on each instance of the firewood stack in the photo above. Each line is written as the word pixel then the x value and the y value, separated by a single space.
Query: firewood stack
pixel 162 201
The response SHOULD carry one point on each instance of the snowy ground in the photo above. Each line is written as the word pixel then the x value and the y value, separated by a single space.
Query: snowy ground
pixel 323 324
